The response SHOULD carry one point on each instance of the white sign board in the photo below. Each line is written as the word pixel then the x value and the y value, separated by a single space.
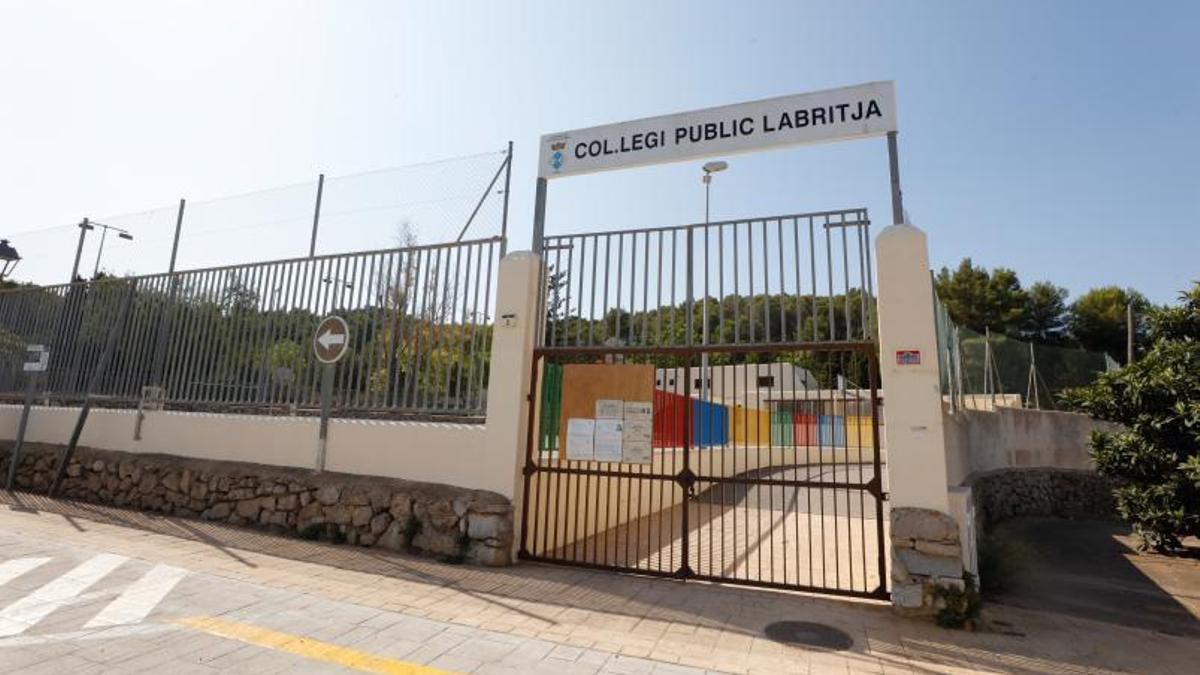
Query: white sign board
pixel 580 435
pixel 861 111
pixel 636 440
pixel 612 409
pixel 40 359
pixel 609 433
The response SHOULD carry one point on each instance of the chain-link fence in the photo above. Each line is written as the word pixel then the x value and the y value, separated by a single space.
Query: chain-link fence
pixel 983 370
pixel 435 202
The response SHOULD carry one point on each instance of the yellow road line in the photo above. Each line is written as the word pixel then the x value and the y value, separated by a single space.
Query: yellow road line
pixel 306 647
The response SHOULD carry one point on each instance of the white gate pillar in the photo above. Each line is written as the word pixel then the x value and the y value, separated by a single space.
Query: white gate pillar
pixel 508 407
pixel 926 542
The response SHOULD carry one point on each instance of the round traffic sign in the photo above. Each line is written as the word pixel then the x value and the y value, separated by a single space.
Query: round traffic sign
pixel 331 339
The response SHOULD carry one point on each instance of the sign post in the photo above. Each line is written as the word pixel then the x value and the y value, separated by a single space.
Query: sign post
pixel 329 344
pixel 39 359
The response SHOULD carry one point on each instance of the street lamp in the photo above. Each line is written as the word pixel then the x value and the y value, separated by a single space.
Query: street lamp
pixel 123 234
pixel 709 169
pixel 9 257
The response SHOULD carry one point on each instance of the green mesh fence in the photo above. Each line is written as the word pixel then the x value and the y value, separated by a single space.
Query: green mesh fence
pixel 974 364
pixel 1054 368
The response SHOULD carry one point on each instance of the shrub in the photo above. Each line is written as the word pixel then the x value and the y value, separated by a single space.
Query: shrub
pixel 959 607
pixel 1157 457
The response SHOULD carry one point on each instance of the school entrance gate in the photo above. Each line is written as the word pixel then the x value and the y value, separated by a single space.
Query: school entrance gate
pixel 706 405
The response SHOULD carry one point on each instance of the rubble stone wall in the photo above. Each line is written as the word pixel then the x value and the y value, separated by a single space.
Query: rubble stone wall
pixel 1060 493
pixel 456 524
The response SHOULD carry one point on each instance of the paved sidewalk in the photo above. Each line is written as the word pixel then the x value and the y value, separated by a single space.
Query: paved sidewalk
pixel 363 604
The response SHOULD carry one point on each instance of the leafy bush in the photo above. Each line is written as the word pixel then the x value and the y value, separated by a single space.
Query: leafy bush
pixel 960 607
pixel 1157 399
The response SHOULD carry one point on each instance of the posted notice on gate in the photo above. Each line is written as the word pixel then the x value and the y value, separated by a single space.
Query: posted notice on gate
pixel 860 111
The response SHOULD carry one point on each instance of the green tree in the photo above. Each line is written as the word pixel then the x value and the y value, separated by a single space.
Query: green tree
pixel 978 299
pixel 1157 399
pixel 1045 315
pixel 1097 319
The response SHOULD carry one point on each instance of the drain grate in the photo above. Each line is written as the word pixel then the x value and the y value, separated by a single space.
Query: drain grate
pixel 809 634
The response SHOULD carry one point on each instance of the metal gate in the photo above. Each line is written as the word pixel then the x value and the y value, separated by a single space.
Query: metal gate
pixel 753 343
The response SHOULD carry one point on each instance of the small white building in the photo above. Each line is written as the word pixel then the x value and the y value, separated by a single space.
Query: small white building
pixel 737 383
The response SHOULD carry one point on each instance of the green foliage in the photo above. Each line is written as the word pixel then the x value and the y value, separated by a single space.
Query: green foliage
pixel 1045 315
pixel 1157 400
pixel 960 607
pixel 979 300
pixel 12 346
pixel 287 354
pixel 1098 319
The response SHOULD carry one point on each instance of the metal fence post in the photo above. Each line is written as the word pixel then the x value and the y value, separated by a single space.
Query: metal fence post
pixel 15 457
pixel 312 246
pixel 164 323
pixel 175 242
pixel 97 376
pixel 504 215
pixel 83 228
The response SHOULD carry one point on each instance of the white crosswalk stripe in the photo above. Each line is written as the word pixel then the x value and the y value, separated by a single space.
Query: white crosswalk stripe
pixel 142 596
pixel 134 603
pixel 26 612
pixel 11 569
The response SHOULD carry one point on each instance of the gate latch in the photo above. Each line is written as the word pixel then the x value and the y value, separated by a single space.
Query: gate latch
pixel 687 480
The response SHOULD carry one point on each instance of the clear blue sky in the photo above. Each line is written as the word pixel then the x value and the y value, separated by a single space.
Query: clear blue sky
pixel 1057 138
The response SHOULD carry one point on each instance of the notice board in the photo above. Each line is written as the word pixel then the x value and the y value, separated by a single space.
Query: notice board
pixel 585 383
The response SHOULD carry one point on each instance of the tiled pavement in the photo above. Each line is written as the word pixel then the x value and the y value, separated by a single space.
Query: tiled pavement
pixel 525 619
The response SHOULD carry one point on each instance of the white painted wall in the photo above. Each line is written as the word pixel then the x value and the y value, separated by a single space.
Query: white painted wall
pixel 455 454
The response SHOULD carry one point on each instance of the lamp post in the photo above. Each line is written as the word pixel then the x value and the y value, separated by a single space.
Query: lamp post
pixel 123 234
pixel 709 169
pixel 84 226
pixel 8 258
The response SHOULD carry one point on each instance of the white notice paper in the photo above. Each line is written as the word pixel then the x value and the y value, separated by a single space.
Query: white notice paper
pixel 580 433
pixel 635 442
pixel 608 440
pixel 638 410
pixel 610 409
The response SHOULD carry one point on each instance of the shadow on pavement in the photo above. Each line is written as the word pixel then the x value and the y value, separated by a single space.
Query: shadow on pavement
pixel 561 599
pixel 1089 569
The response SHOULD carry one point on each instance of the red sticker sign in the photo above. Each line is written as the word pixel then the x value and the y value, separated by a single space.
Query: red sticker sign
pixel 908 357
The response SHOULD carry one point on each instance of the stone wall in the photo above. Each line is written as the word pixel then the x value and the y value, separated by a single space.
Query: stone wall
pixel 926 555
pixel 1061 493
pixel 452 523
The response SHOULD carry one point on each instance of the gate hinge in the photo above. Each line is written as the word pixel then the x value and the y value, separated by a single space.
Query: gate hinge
pixel 875 487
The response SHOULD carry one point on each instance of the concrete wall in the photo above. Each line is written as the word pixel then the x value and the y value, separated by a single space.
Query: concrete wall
pixel 986 440
pixel 453 454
